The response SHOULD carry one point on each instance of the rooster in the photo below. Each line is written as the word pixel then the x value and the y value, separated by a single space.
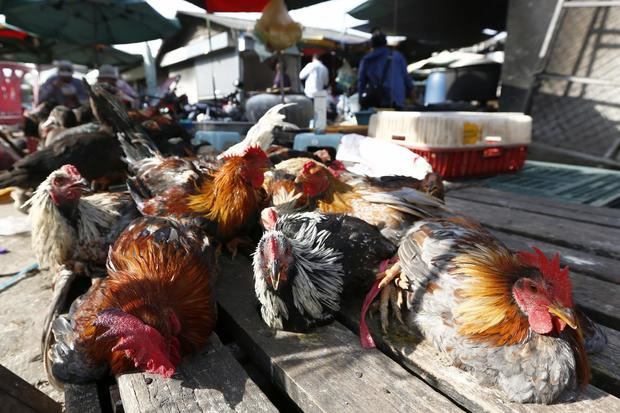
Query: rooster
pixel 155 305
pixel 507 317
pixel 390 203
pixel 228 199
pixel 71 233
pixel 67 226
pixel 306 261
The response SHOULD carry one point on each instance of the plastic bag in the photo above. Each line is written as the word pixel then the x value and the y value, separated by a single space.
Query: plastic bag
pixel 276 28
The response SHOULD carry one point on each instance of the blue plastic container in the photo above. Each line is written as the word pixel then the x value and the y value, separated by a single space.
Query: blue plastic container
pixel 220 140
pixel 303 141
pixel 363 117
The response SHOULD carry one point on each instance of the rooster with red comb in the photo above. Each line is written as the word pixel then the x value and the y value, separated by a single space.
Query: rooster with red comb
pixel 507 318
pixel 155 305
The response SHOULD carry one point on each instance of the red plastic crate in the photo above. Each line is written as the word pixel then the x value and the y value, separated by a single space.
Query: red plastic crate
pixel 453 163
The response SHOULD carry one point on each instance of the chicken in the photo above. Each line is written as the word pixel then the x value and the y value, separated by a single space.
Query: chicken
pixel 507 317
pixel 96 154
pixel 59 119
pixel 306 261
pixel 229 199
pixel 155 305
pixel 71 233
pixel 67 226
pixel 392 205
pixel 261 134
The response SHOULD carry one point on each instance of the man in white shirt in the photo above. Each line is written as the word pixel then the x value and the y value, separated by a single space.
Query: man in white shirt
pixel 316 75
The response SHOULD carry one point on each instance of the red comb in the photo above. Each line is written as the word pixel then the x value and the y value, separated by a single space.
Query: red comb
pixel 552 272
pixel 70 169
pixel 308 165
pixel 254 151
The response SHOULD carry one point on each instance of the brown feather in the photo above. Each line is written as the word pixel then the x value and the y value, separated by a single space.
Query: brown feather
pixel 487 311
pixel 149 280
pixel 227 199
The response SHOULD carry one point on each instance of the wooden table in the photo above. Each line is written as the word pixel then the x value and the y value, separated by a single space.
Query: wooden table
pixel 257 369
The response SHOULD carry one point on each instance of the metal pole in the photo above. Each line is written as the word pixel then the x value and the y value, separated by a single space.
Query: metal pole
pixel 281 80
pixel 577 4
pixel 211 50
pixel 551 29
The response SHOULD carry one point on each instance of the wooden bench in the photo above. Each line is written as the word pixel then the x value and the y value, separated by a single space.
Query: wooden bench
pixel 17 395
pixel 328 371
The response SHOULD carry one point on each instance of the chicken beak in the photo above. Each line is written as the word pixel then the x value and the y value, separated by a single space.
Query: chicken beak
pixel 565 314
pixel 275 274
pixel 82 184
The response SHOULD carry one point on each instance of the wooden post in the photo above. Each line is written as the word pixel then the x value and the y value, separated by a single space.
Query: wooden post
pixel 17 395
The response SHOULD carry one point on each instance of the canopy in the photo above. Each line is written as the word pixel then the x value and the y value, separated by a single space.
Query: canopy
pixel 440 23
pixel 90 21
pixel 214 6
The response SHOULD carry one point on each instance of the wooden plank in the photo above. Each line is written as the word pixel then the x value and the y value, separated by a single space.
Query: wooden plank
pixel 421 357
pixel 560 231
pixel 17 395
pixel 540 205
pixel 606 365
pixel 210 380
pixel 82 398
pixel 325 371
pixel 606 269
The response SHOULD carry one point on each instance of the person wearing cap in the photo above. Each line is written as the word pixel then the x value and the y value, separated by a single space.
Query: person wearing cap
pixel 388 67
pixel 109 74
pixel 63 88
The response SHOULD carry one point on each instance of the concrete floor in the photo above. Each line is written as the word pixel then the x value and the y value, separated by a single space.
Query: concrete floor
pixel 22 309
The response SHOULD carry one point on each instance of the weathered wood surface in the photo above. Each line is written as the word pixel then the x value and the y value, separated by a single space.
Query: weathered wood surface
pixel 17 395
pixel 209 381
pixel 606 365
pixel 608 217
pixel 422 359
pixel 325 371
pixel 82 398
pixel 602 268
pixel 584 236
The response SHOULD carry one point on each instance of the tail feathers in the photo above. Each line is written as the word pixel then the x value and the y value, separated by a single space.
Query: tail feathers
pixel 412 202
pixel 16 177
pixel 136 147
pixel 69 364
pixel 138 192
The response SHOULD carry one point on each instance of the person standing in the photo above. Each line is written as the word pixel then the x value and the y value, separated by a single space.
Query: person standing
pixel 109 74
pixel 316 75
pixel 383 80
pixel 281 78
pixel 63 89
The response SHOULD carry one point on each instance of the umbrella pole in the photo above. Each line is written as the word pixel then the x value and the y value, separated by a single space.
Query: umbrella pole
pixel 281 80
pixel 211 50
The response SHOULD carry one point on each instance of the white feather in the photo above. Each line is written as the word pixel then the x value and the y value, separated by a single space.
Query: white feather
pixel 261 134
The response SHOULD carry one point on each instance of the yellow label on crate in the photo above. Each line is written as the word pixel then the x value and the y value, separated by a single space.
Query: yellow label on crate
pixel 471 133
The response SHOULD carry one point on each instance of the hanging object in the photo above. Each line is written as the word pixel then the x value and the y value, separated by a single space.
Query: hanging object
pixel 227 6
pixel 276 28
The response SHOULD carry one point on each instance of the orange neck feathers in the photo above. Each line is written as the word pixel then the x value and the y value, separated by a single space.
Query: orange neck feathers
pixel 227 199
pixel 487 311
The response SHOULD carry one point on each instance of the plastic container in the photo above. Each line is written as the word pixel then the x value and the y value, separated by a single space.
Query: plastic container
pixel 220 140
pixel 471 162
pixel 363 117
pixel 303 141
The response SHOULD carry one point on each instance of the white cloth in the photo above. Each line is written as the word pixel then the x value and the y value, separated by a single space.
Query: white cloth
pixel 317 77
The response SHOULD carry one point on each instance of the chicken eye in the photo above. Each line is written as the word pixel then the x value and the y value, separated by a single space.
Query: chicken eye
pixel 58 181
pixel 533 288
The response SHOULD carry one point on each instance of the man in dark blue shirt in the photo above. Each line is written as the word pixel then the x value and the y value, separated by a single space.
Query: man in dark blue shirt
pixel 397 85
